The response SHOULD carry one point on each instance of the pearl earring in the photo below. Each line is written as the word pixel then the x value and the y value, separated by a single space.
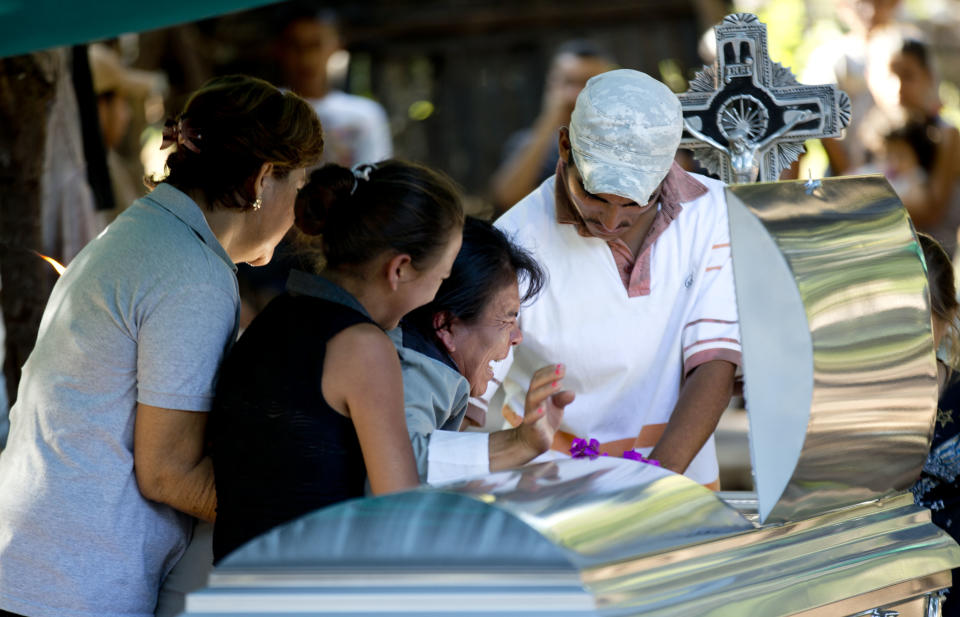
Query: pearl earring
pixel 258 203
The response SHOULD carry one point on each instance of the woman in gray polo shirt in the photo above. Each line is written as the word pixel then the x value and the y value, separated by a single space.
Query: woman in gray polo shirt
pixel 105 467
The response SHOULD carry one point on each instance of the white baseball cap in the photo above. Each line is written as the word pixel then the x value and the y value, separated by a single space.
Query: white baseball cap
pixel 624 133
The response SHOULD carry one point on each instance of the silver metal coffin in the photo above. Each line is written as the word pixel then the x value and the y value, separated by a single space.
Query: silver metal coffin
pixel 604 537
pixel 841 392
pixel 838 355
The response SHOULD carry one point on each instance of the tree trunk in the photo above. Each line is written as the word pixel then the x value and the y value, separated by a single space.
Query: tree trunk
pixel 27 87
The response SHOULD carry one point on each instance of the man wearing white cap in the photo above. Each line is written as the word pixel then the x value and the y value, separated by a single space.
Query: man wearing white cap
pixel 640 303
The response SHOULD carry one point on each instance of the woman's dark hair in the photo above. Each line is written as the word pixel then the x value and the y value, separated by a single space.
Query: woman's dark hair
pixel 487 261
pixel 943 290
pixel 348 217
pixel 235 124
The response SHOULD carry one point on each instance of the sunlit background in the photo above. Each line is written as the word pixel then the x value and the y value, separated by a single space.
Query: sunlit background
pixel 457 78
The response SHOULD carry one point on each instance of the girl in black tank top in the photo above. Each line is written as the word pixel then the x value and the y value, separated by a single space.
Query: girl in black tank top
pixel 309 404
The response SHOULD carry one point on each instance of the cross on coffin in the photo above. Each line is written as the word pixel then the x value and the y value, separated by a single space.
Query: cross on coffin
pixel 747 116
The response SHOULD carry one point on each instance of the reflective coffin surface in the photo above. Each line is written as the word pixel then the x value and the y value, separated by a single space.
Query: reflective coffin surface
pixel 510 543
pixel 603 537
pixel 842 563
pixel 839 366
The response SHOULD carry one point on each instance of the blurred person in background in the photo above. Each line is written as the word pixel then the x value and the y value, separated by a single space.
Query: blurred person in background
pixel 939 485
pixel 355 128
pixel 530 155
pixel 69 219
pixel 105 471
pixel 859 63
pixel 117 88
pixel 906 160
pixel 934 204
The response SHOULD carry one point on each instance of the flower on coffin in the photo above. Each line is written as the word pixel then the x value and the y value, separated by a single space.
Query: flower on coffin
pixel 582 448
pixel 633 455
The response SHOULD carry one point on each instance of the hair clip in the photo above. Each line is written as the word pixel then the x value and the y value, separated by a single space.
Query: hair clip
pixel 181 133
pixel 361 172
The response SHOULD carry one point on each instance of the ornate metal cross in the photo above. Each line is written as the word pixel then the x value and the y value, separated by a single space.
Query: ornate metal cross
pixel 747 116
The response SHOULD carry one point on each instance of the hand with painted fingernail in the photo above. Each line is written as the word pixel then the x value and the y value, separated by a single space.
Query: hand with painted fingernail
pixel 543 407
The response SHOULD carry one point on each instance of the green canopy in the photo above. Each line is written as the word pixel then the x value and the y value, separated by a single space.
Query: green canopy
pixel 27 26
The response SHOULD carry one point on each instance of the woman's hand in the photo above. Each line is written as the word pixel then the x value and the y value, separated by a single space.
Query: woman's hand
pixel 543 408
pixel 543 412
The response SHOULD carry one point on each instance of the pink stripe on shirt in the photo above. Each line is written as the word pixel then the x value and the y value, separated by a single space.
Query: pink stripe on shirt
pixel 710 340
pixel 707 320
pixel 708 355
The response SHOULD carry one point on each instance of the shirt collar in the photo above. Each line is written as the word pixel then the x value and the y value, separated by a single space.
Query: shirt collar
pixel 177 203
pixel 680 187
pixel 323 288
pixel 422 343
pixel 677 188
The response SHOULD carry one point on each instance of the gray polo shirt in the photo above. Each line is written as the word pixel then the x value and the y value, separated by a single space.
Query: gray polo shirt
pixel 144 313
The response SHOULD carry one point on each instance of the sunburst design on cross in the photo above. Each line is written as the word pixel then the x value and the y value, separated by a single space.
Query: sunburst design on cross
pixel 746 117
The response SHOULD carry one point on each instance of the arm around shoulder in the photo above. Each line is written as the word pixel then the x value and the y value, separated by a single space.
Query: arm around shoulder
pixel 180 345
pixel 169 460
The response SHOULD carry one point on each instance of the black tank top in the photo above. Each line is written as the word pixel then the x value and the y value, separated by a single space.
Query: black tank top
pixel 279 450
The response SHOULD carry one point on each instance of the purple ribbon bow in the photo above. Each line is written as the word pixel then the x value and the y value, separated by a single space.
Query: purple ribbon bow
pixel 581 448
